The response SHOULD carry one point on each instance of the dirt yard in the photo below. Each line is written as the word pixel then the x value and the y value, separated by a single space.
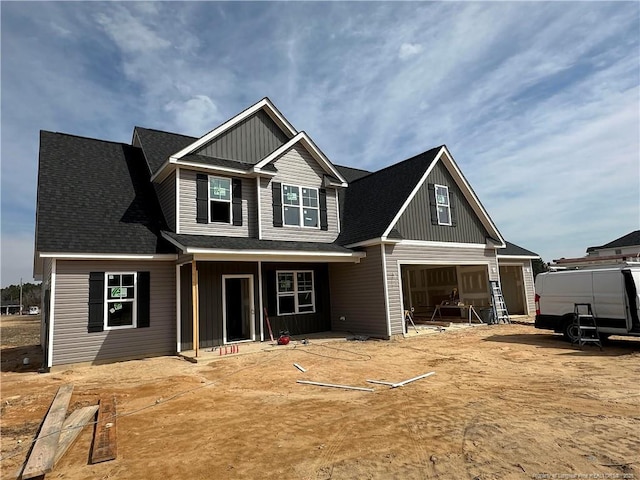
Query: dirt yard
pixel 506 402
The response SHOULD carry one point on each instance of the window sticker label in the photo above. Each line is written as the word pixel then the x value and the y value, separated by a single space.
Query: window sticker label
pixel 117 292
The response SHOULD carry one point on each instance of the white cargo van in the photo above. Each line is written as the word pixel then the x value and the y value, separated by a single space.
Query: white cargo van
pixel 613 292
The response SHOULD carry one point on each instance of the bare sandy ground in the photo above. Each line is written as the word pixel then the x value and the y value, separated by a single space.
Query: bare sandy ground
pixel 506 401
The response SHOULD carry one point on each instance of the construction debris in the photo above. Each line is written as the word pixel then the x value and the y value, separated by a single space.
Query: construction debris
pixel 404 382
pixel 42 456
pixel 347 387
pixel 299 367
pixel 104 439
pixel 72 428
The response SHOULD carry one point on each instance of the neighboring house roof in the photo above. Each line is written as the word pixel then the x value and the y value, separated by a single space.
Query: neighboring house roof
pixel 351 174
pixel 207 242
pixel 158 145
pixel 95 196
pixel 628 240
pixel 513 250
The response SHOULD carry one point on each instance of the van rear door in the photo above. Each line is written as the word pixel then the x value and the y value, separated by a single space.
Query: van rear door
pixel 609 305
pixel 632 290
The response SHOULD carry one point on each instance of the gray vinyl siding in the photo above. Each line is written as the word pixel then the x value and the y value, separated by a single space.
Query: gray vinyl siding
pixel 72 343
pixel 433 255
pixel 297 167
pixel 249 141
pixel 415 222
pixel 166 192
pixel 357 293
pixel 529 283
pixel 188 224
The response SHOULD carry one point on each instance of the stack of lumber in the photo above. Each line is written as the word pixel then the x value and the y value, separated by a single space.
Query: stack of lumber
pixel 58 433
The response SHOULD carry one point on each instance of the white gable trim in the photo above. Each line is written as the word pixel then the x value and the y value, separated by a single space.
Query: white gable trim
pixel 467 191
pixel 265 104
pixel 311 147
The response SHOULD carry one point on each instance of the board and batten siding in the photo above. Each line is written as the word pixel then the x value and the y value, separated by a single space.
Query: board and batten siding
pixel 188 224
pixel 429 255
pixel 72 343
pixel 250 141
pixel 357 294
pixel 297 167
pixel 166 192
pixel 415 222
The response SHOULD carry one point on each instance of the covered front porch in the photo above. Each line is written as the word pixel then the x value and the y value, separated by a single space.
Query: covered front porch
pixel 240 297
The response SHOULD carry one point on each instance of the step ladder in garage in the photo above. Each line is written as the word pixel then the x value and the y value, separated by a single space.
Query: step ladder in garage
pixel 499 307
pixel 586 326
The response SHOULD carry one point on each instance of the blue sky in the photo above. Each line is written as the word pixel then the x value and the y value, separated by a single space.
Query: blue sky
pixel 538 102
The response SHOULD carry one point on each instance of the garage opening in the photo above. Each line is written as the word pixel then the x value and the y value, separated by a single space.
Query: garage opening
pixel 512 281
pixel 449 288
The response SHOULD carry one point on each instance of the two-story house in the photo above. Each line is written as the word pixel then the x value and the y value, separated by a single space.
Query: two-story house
pixel 146 248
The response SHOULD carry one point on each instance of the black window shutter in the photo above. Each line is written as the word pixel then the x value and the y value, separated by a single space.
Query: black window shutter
pixel 202 198
pixel 323 209
pixel 144 299
pixel 96 302
pixel 236 195
pixel 276 190
pixel 432 204
pixel 452 208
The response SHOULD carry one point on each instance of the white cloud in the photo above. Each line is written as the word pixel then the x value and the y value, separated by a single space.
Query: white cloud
pixel 409 50
pixel 130 33
pixel 195 116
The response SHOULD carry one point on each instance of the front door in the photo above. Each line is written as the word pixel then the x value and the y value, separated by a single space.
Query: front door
pixel 238 308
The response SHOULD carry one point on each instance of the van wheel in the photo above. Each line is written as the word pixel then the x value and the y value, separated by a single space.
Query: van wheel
pixel 570 332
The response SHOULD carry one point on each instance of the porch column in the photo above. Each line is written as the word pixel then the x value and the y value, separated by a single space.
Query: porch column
pixel 194 301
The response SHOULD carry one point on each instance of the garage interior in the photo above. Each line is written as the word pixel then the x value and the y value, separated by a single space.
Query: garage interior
pixel 424 287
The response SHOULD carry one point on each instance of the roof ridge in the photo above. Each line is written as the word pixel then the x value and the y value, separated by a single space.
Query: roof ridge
pixel 88 138
pixel 164 131
pixel 352 168
pixel 395 165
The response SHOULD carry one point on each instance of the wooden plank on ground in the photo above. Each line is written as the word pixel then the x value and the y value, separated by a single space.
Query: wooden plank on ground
pixel 72 428
pixel 44 450
pixel 104 438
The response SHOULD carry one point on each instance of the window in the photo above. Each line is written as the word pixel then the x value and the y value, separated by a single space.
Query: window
pixel 219 199
pixel 443 206
pixel 120 304
pixel 299 213
pixel 295 292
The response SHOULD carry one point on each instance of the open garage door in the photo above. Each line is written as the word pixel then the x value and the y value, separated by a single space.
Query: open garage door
pixel 426 286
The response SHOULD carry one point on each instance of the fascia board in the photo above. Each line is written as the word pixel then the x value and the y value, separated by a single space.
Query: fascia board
pixel 516 257
pixel 311 147
pixel 109 256
pixel 473 198
pixel 412 194
pixel 265 104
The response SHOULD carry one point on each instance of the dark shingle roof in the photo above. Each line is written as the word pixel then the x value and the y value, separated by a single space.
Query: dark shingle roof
pixel 351 174
pixel 372 202
pixel 628 240
pixel 158 145
pixel 241 243
pixel 95 197
pixel 515 250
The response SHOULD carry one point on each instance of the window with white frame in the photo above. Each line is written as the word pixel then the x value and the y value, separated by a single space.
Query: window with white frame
pixel 443 205
pixel 120 300
pixel 300 206
pixel 295 292
pixel 219 199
